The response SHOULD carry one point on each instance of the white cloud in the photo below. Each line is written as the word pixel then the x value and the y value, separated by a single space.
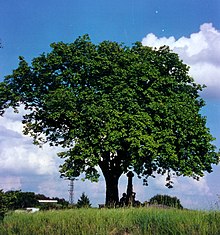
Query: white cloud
pixel 30 168
pixel 10 182
pixel 200 51
pixel 192 193
pixel 52 186
pixel 21 161
pixel 24 158
pixel 190 186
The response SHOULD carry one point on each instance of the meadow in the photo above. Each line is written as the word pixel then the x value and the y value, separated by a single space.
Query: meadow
pixel 122 221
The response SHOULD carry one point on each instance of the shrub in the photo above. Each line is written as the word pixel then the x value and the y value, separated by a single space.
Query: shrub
pixel 5 202
pixel 166 200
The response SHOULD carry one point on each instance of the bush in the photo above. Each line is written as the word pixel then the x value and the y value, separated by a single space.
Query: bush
pixel 166 200
pixel 4 204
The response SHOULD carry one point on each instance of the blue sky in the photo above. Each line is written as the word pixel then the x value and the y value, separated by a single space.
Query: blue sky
pixel 27 28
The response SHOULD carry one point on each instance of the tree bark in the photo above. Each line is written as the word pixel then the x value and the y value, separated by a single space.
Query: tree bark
pixel 112 198
pixel 112 171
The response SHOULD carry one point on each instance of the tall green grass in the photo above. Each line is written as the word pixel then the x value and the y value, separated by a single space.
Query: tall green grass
pixel 132 221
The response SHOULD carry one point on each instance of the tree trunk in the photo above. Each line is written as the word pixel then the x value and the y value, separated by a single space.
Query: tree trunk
pixel 111 169
pixel 112 198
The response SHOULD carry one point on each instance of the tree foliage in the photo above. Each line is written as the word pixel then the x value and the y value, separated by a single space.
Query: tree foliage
pixel 116 107
pixel 21 200
pixel 166 200
pixel 3 205
pixel 83 201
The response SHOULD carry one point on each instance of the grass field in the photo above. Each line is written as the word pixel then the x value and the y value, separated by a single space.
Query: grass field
pixel 130 221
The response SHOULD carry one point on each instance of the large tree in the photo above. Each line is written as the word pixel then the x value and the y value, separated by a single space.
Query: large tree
pixel 120 108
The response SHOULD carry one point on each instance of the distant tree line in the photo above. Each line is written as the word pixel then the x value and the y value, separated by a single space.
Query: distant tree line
pixel 12 200
pixel 22 200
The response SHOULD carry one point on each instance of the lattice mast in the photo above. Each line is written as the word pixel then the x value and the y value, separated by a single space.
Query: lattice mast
pixel 71 191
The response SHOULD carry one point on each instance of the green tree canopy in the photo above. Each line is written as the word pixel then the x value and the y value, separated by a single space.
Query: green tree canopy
pixel 120 108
